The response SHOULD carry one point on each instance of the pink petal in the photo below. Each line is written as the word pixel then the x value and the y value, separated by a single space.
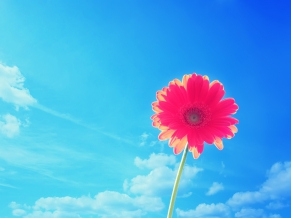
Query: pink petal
pixel 204 90
pixel 195 152
pixel 166 134
pixel 218 143
pixel 215 93
pixel 180 146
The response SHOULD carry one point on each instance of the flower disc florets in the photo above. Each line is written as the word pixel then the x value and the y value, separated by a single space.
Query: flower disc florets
pixel 193 112
pixel 195 116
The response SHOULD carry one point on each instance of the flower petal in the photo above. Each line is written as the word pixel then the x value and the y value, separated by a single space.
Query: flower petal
pixel 164 135
pixel 204 89
pixel 233 128
pixel 215 93
pixel 192 138
pixel 225 107
pixel 181 132
pixel 163 128
pixel 173 141
pixel 155 107
pixel 218 143
pixel 177 82
pixel 176 95
pixel 225 121
pixel 169 121
pixel 200 148
pixel 195 152
pixel 160 96
pixel 180 146
pixel 191 88
pixel 198 87
pixel 185 79
pixel 225 131
pixel 207 136
pixel 156 123
pixel 167 106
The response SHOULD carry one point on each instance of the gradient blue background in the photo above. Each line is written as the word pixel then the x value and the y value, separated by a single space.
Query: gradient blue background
pixel 94 68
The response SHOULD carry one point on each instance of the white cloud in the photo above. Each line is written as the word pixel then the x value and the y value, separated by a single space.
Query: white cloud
pixel 254 213
pixel 186 195
pixel 250 213
pixel 276 205
pixel 215 187
pixel 219 210
pixel 9 125
pixel 275 189
pixel 275 216
pixel 14 205
pixel 7 185
pixel 18 212
pixel 159 181
pixel 48 214
pixel 155 160
pixel 105 204
pixel 12 91
pixel 280 173
pixel 12 87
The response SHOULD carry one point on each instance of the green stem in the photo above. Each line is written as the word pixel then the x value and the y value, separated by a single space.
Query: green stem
pixel 176 184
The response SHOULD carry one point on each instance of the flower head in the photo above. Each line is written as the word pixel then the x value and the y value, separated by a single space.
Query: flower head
pixel 193 111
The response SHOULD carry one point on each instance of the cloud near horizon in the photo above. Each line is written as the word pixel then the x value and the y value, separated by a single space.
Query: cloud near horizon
pixel 271 194
pixel 142 194
pixel 105 204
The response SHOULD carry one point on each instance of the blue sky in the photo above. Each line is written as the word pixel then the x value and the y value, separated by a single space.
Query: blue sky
pixel 77 80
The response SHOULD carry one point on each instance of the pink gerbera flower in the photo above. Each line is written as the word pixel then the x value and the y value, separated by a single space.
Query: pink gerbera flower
pixel 193 112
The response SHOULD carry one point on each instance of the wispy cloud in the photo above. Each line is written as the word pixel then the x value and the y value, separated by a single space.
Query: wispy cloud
pixel 45 160
pixel 80 123
pixel 12 91
pixel 143 139
pixel 7 185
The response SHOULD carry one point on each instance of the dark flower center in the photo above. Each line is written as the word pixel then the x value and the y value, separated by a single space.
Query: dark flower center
pixel 195 116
